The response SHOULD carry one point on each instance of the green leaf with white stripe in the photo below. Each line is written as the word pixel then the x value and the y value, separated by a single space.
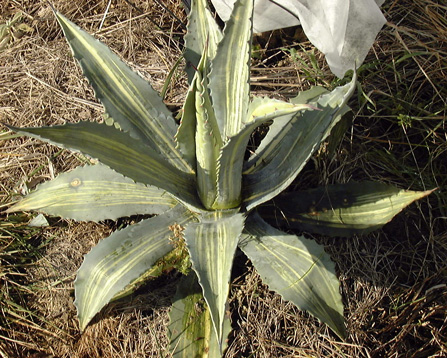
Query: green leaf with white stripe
pixel 211 244
pixel 285 156
pixel 297 268
pixel 340 209
pixel 191 328
pixel 121 258
pixel 94 193
pixel 185 136
pixel 177 259
pixel 277 129
pixel 230 71
pixel 208 140
pixel 203 35
pixel 128 99
pixel 121 152
pixel 272 108
pixel 309 96
pixel 231 158
pixel 270 144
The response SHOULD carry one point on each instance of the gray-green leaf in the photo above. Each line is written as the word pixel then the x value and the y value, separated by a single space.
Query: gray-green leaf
pixel 297 268
pixel 211 245
pixel 273 169
pixel 231 158
pixel 230 71
pixel 121 152
pixel 94 193
pixel 128 99
pixel 203 35
pixel 191 328
pixel 340 209
pixel 121 258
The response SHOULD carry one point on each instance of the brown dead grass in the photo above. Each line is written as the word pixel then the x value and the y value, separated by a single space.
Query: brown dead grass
pixel 393 282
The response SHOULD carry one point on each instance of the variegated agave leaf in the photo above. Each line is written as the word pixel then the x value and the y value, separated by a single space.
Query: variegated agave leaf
pixel 95 193
pixel 277 162
pixel 117 149
pixel 128 99
pixel 196 175
pixel 230 71
pixel 298 269
pixel 191 328
pixel 203 36
pixel 121 258
pixel 212 244
pixel 340 209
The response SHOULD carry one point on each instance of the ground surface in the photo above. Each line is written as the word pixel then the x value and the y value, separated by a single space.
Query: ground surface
pixel 393 281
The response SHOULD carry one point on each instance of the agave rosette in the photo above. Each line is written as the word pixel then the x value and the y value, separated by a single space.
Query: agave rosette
pixel 194 174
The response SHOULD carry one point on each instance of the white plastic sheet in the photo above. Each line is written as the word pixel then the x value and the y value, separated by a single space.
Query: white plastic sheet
pixel 344 30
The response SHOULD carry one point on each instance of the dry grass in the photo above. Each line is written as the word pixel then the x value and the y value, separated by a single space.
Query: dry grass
pixel 393 282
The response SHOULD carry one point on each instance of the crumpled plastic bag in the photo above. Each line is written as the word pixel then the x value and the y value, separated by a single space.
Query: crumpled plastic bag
pixel 344 30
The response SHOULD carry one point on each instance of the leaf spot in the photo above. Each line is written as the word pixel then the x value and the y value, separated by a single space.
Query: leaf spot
pixel 75 182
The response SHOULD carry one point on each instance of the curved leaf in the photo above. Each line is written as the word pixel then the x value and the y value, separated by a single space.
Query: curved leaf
pixel 121 258
pixel 121 152
pixel 176 259
pixel 272 108
pixel 203 35
pixel 281 162
pixel 211 244
pixel 230 71
pixel 185 136
pixel 94 193
pixel 297 268
pixel 231 158
pixel 191 328
pixel 340 209
pixel 278 129
pixel 208 139
pixel 128 99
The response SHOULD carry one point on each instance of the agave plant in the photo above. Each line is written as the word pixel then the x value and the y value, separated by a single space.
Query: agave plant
pixel 197 175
